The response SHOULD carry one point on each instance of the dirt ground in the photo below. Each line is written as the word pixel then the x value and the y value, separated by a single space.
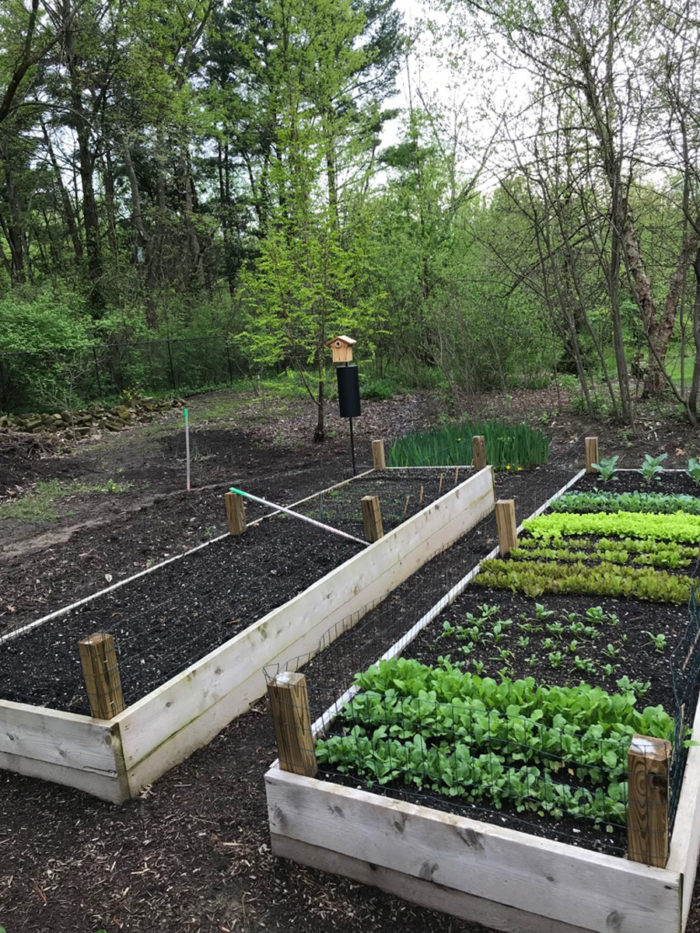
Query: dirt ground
pixel 192 854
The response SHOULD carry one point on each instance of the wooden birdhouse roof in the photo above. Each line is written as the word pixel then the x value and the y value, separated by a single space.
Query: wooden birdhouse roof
pixel 348 341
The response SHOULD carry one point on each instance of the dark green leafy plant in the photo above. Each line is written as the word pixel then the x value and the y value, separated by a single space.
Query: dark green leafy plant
pixel 694 470
pixel 606 468
pixel 471 737
pixel 651 466
pixel 596 501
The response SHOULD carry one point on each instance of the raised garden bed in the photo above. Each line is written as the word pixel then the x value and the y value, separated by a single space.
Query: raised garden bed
pixel 474 860
pixel 202 627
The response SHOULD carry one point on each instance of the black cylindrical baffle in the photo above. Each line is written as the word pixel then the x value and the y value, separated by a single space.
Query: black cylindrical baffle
pixel 348 391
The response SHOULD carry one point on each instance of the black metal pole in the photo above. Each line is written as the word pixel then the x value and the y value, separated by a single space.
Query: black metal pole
pixel 352 449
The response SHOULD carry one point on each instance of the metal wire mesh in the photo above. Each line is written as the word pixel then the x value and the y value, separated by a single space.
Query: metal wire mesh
pixel 685 671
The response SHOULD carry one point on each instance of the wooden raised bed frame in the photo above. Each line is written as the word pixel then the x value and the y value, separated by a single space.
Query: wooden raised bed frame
pixel 477 871
pixel 114 759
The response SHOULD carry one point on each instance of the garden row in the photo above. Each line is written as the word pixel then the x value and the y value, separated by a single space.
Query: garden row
pixel 551 701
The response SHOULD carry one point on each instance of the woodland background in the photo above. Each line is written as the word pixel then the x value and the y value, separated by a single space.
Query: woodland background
pixel 213 181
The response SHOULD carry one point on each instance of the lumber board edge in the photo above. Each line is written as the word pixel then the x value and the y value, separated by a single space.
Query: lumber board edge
pixel 528 873
pixel 424 893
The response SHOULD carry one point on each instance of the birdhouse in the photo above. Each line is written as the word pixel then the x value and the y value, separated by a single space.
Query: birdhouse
pixel 342 349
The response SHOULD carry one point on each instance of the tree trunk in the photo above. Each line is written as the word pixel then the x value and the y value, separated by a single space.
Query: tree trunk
pixel 695 385
pixel 14 229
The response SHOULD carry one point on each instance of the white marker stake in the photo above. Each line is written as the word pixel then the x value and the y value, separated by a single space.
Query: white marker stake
pixel 187 447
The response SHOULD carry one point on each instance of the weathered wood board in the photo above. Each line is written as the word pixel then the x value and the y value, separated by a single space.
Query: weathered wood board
pixel 501 867
pixel 62 747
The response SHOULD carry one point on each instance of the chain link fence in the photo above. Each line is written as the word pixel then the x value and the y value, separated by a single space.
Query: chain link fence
pixel 60 378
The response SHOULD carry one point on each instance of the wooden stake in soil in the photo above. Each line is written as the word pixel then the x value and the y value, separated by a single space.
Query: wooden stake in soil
pixel 648 764
pixel 289 702
pixel 479 450
pixel 420 497
pixel 101 672
pixel 372 518
pixel 505 525
pixel 591 454
pixel 442 477
pixel 456 475
pixel 235 513
pixel 405 508
pixel 378 456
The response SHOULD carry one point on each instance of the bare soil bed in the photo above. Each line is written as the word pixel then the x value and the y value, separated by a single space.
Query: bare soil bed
pixel 171 617
pixel 192 854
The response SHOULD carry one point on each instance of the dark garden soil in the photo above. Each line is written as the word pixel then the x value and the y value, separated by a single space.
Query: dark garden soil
pixel 172 616
pixel 192 853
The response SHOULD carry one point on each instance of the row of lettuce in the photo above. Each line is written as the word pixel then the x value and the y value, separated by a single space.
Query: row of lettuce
pixel 471 727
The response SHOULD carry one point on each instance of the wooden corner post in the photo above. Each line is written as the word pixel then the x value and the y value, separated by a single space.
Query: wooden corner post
pixel 479 451
pixel 378 455
pixel 648 763
pixel 289 702
pixel 101 672
pixel 591 454
pixel 505 525
pixel 235 513
pixel 372 518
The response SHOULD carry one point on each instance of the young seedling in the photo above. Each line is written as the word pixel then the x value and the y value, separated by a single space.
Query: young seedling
pixel 555 628
pixel 609 669
pixel 595 614
pixel 573 646
pixel 548 643
pixel 555 658
pixel 610 651
pixel 651 466
pixel 606 468
pixel 584 664
pixel 447 629
pixel 658 641
pixel 541 613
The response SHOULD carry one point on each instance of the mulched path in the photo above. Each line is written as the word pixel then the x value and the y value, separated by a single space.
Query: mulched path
pixel 192 853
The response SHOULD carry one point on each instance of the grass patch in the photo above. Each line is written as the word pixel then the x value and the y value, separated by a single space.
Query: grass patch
pixel 508 446
pixel 40 504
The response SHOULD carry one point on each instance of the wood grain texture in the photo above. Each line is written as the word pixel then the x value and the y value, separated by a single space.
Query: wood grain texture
pixel 648 762
pixel 378 455
pixel 372 518
pixel 428 894
pixel 479 451
pixel 530 874
pixel 506 526
pixel 591 448
pixel 235 513
pixel 291 718
pixel 63 747
pixel 103 684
